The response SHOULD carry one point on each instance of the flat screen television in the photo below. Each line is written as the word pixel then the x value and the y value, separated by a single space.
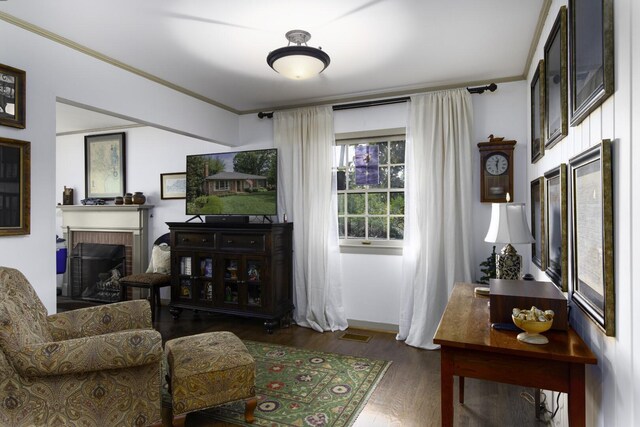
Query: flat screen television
pixel 236 183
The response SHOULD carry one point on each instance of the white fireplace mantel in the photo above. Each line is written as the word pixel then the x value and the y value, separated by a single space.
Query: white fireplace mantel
pixel 133 219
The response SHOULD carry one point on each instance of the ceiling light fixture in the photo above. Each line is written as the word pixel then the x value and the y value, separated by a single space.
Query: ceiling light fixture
pixel 298 62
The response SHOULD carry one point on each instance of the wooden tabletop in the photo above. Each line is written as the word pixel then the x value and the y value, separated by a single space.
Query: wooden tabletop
pixel 465 324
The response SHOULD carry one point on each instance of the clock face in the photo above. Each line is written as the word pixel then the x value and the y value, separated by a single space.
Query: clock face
pixel 496 164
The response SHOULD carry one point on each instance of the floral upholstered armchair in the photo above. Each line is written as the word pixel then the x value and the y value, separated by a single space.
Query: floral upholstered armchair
pixel 96 366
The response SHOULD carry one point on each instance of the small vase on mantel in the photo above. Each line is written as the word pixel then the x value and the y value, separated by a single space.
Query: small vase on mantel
pixel 139 198
pixel 119 200
pixel 128 199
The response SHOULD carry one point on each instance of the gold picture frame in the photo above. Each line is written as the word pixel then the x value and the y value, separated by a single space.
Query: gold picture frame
pixel 15 191
pixel 593 285
pixel 537 113
pixel 537 222
pixel 105 166
pixel 12 97
pixel 555 97
pixel 556 227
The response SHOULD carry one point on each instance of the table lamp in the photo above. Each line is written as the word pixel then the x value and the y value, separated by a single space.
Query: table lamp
pixel 508 225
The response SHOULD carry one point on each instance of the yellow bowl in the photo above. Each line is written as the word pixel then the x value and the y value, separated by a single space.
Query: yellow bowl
pixel 532 330
pixel 532 326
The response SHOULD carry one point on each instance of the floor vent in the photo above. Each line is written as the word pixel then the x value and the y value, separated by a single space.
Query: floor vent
pixel 355 337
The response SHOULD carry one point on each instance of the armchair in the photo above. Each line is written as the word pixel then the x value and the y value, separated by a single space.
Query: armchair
pixel 93 366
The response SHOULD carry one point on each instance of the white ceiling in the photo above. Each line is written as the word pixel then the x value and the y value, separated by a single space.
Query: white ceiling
pixel 218 48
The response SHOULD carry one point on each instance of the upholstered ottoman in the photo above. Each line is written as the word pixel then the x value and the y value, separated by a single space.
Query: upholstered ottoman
pixel 207 370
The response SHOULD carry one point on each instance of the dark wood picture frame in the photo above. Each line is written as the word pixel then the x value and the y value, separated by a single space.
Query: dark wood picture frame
pixel 537 113
pixel 593 285
pixel 537 222
pixel 15 187
pixel 557 227
pixel 555 97
pixel 13 91
pixel 173 185
pixel 105 166
pixel 591 44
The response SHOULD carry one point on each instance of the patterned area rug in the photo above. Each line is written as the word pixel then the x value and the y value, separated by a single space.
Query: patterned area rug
pixel 297 387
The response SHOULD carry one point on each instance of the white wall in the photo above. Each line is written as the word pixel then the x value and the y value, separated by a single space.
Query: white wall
pixel 53 70
pixel 613 385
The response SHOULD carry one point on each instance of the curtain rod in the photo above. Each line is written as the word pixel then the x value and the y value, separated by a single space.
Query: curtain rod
pixel 478 89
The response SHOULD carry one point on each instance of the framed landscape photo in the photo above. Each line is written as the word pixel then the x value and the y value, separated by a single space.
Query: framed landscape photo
pixel 557 226
pixel 15 187
pixel 104 162
pixel 593 287
pixel 537 222
pixel 12 97
pixel 173 185
pixel 537 113
pixel 591 55
pixel 555 70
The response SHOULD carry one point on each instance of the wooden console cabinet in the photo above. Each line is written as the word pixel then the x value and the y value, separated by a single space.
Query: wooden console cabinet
pixel 237 269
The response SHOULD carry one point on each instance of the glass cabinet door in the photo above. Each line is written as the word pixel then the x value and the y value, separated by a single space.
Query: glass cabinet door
pixel 206 278
pixel 231 280
pixel 254 277
pixel 185 290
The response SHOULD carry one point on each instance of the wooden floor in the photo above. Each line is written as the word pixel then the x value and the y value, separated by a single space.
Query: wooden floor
pixel 409 393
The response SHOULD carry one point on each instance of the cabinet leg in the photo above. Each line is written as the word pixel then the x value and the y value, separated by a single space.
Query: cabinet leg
pixel 175 312
pixel 270 324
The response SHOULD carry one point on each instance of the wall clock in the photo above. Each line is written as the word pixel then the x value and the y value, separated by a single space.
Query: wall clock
pixel 496 170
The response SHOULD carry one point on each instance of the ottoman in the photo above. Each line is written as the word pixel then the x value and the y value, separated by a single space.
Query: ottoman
pixel 207 370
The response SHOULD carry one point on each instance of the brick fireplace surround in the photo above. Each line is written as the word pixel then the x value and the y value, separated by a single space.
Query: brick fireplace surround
pixel 126 225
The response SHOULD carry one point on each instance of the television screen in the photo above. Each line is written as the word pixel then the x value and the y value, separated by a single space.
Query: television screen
pixel 238 183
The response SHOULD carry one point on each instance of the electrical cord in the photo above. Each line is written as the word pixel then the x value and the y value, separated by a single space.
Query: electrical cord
pixel 529 398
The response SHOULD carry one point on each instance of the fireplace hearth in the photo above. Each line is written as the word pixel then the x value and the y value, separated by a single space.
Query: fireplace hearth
pixel 96 270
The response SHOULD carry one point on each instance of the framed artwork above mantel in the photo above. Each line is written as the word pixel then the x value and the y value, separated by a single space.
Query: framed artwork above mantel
pixel 105 171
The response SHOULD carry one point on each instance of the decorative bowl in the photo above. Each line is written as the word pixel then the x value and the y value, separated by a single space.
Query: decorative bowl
pixel 532 327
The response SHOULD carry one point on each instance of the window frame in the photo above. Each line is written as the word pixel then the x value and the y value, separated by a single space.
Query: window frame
pixel 377 246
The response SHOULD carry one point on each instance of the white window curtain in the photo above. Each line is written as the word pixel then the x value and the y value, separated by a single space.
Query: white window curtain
pixel 438 235
pixel 307 194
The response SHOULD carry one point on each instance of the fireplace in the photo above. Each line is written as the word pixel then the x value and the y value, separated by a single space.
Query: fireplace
pixel 95 270
pixel 125 225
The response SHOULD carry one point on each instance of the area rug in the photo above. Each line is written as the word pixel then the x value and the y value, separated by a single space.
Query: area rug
pixel 298 387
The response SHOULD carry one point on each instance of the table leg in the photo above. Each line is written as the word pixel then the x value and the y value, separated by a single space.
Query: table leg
pixel 461 390
pixel 446 387
pixel 576 395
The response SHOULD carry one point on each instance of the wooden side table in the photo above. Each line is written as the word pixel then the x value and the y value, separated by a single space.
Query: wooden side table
pixel 471 348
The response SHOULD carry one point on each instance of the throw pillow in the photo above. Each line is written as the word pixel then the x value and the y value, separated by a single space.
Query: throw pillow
pixel 160 259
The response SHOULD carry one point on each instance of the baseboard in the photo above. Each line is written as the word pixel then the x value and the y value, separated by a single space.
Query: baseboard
pixel 373 326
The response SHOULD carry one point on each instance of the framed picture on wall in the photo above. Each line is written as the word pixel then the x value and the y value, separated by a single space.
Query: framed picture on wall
pixel 593 282
pixel 15 187
pixel 556 228
pixel 12 97
pixel 173 185
pixel 537 113
pixel 104 162
pixel 591 55
pixel 537 222
pixel 555 70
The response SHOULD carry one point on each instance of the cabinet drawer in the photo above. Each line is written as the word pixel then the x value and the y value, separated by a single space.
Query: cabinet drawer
pixel 250 242
pixel 195 240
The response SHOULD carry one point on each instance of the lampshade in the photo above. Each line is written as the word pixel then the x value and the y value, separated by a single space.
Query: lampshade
pixel 298 62
pixel 508 224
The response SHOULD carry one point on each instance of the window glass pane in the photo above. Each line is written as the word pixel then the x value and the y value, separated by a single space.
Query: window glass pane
pixel 397 152
pixel 355 228
pixel 384 178
pixel 396 203
pixel 377 203
pixel 383 158
pixel 341 227
pixel 351 180
pixel 355 203
pixel 397 176
pixel 396 228
pixel 341 204
pixel 378 228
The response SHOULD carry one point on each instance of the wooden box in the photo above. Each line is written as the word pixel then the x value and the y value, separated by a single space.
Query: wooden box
pixel 505 295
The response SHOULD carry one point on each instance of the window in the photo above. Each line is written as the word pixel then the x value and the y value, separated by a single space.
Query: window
pixel 370 177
